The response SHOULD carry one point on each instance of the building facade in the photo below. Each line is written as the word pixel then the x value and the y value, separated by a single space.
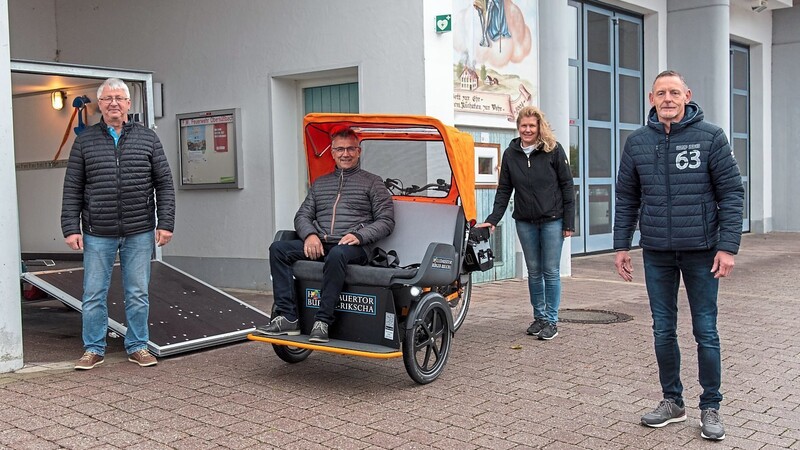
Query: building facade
pixel 275 61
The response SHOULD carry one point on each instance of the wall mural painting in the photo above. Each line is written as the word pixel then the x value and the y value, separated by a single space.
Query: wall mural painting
pixel 495 56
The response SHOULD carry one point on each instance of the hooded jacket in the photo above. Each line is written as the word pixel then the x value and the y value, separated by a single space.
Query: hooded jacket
pixel 115 190
pixel 346 201
pixel 683 188
pixel 541 183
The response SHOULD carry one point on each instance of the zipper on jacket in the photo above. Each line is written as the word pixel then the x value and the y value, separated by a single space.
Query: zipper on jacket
pixel 335 203
pixel 117 150
pixel 669 192
pixel 531 213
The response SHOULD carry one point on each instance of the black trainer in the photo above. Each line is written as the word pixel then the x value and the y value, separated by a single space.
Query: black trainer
pixel 536 327
pixel 549 331
pixel 280 326
pixel 319 333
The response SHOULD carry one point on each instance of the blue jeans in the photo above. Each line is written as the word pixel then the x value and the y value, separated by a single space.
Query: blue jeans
pixel 282 254
pixel 541 246
pixel 662 272
pixel 99 254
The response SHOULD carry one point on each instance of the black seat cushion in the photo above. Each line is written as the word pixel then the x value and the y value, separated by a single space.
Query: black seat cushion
pixel 356 275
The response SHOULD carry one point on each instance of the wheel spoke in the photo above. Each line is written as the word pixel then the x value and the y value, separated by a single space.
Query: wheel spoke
pixel 427 359
pixel 439 328
pixel 435 348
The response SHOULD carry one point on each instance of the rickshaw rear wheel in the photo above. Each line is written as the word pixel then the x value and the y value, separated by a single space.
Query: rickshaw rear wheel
pixel 460 305
pixel 426 346
pixel 291 355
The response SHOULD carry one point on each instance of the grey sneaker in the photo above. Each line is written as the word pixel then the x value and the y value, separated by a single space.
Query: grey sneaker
pixel 711 425
pixel 536 327
pixel 549 331
pixel 319 333
pixel 666 412
pixel 280 326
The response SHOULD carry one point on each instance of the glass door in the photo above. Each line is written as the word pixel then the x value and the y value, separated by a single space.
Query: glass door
pixel 606 105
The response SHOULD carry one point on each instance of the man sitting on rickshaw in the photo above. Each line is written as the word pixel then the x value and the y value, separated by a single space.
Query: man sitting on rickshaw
pixel 344 212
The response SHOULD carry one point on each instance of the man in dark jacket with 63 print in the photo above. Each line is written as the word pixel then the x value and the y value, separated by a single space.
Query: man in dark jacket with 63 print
pixel 678 178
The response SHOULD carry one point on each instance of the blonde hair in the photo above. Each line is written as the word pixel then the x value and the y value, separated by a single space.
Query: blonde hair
pixel 546 136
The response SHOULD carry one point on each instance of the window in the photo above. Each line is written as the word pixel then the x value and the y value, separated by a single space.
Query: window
pixel 740 120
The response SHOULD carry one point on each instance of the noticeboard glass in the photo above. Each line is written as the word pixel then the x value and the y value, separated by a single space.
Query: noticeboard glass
pixel 209 144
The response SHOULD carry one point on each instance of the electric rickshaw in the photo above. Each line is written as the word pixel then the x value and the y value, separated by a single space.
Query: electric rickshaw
pixel 415 292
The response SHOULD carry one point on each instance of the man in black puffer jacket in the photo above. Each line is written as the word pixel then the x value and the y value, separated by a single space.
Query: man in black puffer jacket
pixel 117 179
pixel 678 178
pixel 344 212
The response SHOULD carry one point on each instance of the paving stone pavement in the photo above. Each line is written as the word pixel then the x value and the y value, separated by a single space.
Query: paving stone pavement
pixel 501 389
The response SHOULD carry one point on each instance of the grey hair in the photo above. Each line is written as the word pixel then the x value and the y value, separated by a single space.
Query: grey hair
pixel 113 83
pixel 671 73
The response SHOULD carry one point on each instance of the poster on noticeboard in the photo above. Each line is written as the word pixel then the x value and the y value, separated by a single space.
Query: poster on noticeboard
pixel 210 150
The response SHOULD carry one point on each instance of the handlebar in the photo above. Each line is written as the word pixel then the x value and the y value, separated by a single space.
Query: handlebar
pixel 396 187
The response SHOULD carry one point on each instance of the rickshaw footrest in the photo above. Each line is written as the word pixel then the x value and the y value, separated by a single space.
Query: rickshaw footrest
pixel 333 346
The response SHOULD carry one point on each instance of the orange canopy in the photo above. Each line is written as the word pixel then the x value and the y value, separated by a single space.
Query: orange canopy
pixel 458 145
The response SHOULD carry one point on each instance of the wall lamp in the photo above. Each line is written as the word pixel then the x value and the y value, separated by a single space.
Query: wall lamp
pixel 57 99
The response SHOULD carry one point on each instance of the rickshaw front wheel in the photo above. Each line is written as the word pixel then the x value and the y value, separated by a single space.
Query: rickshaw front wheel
pixel 291 355
pixel 427 344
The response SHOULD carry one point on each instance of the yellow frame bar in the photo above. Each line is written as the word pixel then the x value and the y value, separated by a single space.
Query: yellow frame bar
pixel 325 348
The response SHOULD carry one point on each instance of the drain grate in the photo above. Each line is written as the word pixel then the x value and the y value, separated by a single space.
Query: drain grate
pixel 592 316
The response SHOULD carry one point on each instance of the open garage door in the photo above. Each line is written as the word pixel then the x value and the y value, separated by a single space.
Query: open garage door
pixel 185 313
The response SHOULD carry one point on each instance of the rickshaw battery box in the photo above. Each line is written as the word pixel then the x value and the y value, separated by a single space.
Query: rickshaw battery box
pixel 364 314
pixel 479 254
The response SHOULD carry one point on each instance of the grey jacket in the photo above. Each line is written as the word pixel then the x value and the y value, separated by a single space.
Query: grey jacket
pixel 346 201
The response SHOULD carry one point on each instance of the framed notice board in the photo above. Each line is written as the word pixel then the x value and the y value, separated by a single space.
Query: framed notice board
pixel 210 149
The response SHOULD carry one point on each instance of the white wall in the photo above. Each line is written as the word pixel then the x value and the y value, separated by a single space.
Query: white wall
pixel 11 318
pixel 33 29
pixel 438 48
pixel 785 117
pixel 217 55
pixel 707 72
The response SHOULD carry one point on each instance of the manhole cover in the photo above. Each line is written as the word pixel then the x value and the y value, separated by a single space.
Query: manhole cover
pixel 591 316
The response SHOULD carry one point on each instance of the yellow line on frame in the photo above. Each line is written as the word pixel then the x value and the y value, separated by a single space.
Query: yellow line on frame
pixel 325 348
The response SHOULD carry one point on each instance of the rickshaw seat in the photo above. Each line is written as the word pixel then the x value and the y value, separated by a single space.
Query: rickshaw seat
pixel 417 226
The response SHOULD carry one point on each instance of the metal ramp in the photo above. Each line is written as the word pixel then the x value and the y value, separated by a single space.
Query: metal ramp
pixel 185 313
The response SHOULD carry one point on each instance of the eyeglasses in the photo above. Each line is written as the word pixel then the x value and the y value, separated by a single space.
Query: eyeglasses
pixel 113 99
pixel 345 149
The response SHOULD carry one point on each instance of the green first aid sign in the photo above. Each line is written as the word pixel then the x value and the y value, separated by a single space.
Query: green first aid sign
pixel 443 23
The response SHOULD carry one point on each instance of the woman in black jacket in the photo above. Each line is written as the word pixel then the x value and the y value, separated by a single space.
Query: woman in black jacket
pixel 536 170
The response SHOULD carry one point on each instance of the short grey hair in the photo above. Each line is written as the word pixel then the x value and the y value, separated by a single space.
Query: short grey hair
pixel 113 83
pixel 672 73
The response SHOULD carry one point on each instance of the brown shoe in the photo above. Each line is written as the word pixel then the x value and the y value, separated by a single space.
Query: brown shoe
pixel 143 358
pixel 88 361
